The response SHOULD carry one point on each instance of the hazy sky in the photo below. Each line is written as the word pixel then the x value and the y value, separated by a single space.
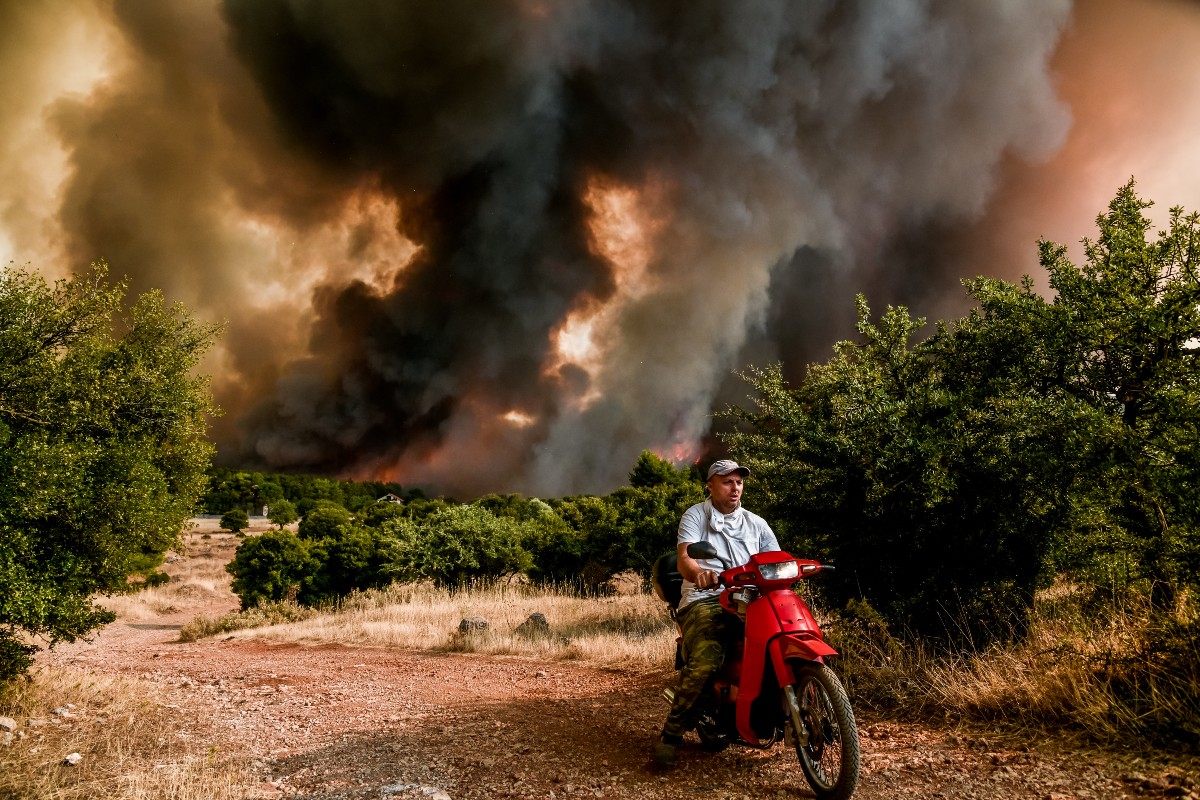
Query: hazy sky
pixel 507 246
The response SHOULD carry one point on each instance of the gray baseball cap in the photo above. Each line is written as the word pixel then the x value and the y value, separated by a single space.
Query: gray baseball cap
pixel 724 467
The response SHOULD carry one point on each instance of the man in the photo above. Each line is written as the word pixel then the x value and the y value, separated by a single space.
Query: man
pixel 736 534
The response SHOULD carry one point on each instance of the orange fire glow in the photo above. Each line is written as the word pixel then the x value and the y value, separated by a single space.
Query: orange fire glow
pixel 517 418
pixel 361 243
pixel 680 452
pixel 622 228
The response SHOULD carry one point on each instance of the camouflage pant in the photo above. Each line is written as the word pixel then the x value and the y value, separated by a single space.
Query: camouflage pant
pixel 707 630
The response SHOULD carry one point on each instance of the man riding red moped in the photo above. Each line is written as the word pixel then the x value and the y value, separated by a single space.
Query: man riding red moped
pixel 772 683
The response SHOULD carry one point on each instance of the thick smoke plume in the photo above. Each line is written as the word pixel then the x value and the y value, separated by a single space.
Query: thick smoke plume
pixel 508 245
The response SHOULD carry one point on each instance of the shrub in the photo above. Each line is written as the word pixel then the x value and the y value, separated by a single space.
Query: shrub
pixel 351 560
pixel 282 513
pixel 455 546
pixel 235 520
pixel 275 566
pixel 323 521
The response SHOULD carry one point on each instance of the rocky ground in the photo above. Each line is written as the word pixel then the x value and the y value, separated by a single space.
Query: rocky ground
pixel 326 722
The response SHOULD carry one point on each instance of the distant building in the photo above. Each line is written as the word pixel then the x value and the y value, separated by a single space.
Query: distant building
pixel 390 498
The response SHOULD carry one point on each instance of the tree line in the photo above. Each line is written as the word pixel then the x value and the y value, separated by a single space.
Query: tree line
pixel 574 541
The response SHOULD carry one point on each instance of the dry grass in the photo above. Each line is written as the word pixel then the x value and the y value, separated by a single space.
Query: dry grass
pixel 1123 674
pixel 265 615
pixel 198 580
pixel 133 746
pixel 631 630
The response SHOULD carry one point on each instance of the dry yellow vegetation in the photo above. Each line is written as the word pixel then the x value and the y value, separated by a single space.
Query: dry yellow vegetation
pixel 137 747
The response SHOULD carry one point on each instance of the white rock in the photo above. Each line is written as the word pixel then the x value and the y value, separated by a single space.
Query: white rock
pixel 8 723
pixel 72 759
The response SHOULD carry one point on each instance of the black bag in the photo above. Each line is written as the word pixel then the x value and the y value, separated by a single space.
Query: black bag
pixel 666 580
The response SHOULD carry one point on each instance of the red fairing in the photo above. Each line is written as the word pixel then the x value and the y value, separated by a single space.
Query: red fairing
pixel 779 623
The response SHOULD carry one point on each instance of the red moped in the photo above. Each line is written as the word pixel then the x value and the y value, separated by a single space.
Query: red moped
pixel 774 685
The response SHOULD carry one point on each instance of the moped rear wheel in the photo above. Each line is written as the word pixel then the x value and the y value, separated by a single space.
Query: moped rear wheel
pixel 821 726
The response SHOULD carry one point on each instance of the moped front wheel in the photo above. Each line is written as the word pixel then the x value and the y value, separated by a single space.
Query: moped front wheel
pixel 821 727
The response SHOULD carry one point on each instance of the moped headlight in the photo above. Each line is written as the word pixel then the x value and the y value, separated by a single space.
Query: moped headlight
pixel 779 571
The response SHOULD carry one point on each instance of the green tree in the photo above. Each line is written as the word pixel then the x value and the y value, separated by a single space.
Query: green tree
pixel 267 493
pixel 229 489
pixel 282 513
pixel 235 520
pixel 646 526
pixel 1125 342
pixel 651 470
pixel 582 554
pixel 455 546
pixel 558 550
pixel 323 521
pixel 375 514
pixel 351 560
pixel 275 566
pixel 102 448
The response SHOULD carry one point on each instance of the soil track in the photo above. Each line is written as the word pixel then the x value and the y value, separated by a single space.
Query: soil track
pixel 326 722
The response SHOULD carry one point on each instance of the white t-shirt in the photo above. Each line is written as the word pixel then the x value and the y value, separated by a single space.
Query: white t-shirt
pixel 735 537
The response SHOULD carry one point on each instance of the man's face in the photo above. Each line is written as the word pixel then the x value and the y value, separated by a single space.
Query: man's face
pixel 726 491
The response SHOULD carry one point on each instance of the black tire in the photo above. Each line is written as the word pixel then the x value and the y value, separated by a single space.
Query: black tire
pixel 831 758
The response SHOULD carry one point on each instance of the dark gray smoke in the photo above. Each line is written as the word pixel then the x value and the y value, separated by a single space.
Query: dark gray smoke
pixel 395 206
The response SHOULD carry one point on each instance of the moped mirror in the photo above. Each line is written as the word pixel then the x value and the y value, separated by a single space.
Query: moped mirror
pixel 701 550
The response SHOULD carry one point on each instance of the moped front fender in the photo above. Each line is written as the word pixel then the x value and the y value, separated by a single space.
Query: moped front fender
pixel 790 645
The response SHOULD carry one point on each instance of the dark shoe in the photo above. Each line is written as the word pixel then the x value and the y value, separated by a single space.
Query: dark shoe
pixel 665 750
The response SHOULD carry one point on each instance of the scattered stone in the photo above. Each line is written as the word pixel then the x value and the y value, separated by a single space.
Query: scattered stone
pixel 534 626
pixel 472 625
pixel 72 760
pixel 6 739
pixel 8 724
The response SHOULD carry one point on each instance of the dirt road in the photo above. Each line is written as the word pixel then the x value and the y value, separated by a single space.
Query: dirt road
pixel 326 722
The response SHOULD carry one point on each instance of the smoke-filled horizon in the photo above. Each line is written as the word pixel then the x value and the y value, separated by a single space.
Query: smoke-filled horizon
pixel 507 246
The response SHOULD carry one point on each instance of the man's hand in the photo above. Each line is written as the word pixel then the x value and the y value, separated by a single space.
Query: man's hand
pixel 688 566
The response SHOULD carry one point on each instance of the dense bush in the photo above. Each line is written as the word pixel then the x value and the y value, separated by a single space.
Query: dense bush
pixel 272 567
pixel 323 520
pixel 250 491
pixel 456 546
pixel 235 520
pixel 352 559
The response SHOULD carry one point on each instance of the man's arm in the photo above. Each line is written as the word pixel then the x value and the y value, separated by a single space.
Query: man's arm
pixel 691 570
